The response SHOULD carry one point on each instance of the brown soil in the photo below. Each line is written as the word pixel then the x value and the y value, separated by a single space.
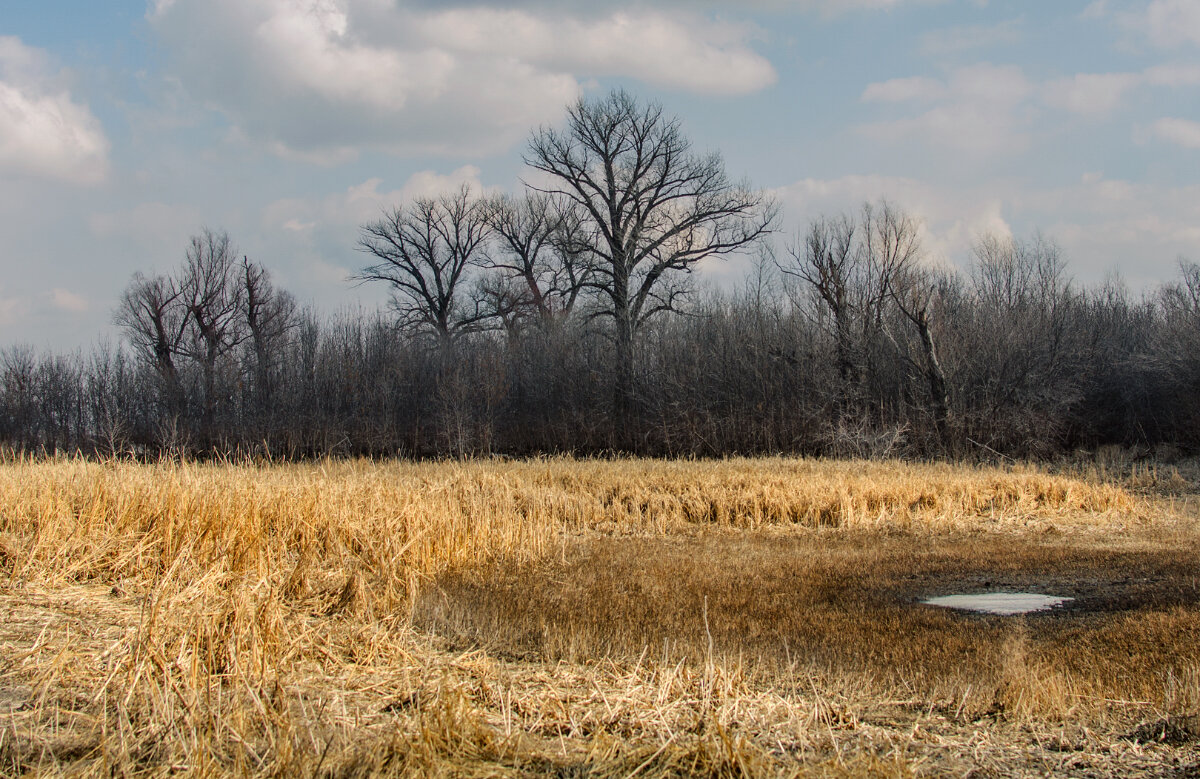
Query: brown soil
pixel 848 603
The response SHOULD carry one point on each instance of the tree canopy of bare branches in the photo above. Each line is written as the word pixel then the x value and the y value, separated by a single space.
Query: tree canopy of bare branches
pixel 195 321
pixel 154 319
pixel 269 314
pixel 652 209
pixel 541 250
pixel 426 252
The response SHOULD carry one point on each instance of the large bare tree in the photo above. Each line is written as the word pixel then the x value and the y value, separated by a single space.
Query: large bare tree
pixel 426 252
pixel 652 207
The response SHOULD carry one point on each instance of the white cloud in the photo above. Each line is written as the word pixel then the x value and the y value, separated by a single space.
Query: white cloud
pixel 363 202
pixel 1114 223
pixel 65 300
pixel 677 51
pixel 1173 76
pixel 983 110
pixel 13 310
pixel 829 8
pixel 1095 94
pixel 322 79
pixel 951 221
pixel 43 132
pixel 1102 224
pixel 842 7
pixel 154 232
pixel 902 90
pixel 1165 23
pixel 316 236
pixel 1182 132
pixel 1172 23
pixel 1090 93
pixel 978 110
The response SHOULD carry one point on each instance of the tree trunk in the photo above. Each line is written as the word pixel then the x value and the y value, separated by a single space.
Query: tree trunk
pixel 938 394
pixel 624 406
pixel 851 379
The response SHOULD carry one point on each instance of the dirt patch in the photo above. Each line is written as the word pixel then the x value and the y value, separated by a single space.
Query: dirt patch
pixel 1173 731
pixel 844 602
pixel 1096 584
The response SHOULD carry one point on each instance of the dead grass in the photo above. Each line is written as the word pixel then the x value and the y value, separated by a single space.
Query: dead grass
pixel 591 618
pixel 845 605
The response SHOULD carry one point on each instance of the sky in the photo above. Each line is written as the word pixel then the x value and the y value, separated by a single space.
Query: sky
pixel 127 126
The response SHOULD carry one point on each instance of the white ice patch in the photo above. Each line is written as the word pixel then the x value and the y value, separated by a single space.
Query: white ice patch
pixel 1003 603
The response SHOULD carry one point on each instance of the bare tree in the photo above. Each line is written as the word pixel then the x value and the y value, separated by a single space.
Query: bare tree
pixel 652 208
pixel 1027 373
pixel 541 247
pixel 426 253
pixel 893 244
pixel 212 294
pixel 916 292
pixel 851 267
pixel 1177 348
pixel 19 421
pixel 1182 298
pixel 1012 274
pixel 155 319
pixel 269 313
pixel 829 263
pixel 504 298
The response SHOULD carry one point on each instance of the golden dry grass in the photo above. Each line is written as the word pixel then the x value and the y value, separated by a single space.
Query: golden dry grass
pixel 214 619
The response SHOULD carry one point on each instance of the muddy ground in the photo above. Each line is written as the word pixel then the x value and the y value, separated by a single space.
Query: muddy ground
pixel 1107 685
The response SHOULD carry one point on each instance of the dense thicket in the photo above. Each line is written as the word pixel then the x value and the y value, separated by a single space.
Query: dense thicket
pixel 564 320
pixel 1030 369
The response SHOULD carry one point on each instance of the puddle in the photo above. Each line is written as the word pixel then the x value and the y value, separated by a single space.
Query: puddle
pixel 1003 603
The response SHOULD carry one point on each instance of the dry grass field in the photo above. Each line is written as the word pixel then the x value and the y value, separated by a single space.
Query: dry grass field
pixel 595 618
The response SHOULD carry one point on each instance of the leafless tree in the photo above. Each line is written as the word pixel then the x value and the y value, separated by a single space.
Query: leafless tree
pixel 1182 298
pixel 155 319
pixel 269 314
pixel 1024 309
pixel 851 266
pixel 541 247
pixel 893 244
pixel 916 292
pixel 829 263
pixel 505 299
pixel 212 293
pixel 1010 273
pixel 652 207
pixel 1176 354
pixel 426 252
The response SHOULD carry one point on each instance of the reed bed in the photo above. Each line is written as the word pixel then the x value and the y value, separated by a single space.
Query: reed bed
pixel 270 620
pixel 74 520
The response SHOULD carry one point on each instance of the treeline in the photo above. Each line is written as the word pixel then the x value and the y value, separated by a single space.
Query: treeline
pixel 563 320
pixel 1033 366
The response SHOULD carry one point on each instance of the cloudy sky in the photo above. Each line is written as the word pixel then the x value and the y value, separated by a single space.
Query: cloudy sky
pixel 127 125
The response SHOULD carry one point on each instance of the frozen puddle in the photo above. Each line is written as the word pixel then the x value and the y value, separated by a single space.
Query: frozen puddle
pixel 1002 603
